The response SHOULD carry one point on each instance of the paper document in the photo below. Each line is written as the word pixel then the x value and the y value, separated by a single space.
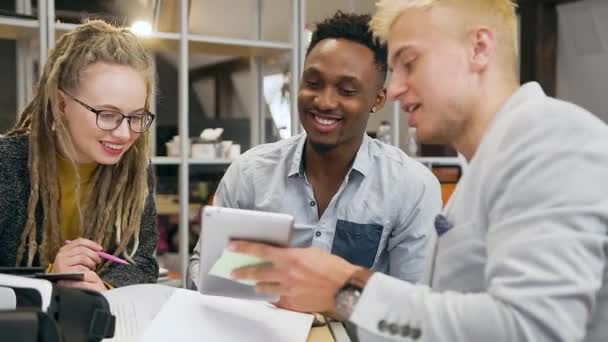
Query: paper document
pixel 134 307
pixel 191 316
pixel 230 261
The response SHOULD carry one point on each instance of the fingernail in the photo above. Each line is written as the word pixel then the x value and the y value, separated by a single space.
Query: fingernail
pixel 232 246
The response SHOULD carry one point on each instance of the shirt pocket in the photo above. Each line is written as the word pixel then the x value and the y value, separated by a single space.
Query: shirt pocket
pixel 357 243
pixel 456 238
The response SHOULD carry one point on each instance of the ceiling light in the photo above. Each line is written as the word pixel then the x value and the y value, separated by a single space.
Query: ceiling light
pixel 141 28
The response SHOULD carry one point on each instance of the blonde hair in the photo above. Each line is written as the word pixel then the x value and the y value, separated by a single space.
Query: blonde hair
pixel 112 211
pixel 499 14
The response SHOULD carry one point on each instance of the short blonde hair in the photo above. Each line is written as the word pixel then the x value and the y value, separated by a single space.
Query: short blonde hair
pixel 499 14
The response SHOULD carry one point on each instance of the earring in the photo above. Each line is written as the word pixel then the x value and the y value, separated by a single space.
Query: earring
pixel 373 109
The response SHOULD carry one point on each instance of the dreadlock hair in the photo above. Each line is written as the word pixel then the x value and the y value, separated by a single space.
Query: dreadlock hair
pixel 113 209
pixel 355 28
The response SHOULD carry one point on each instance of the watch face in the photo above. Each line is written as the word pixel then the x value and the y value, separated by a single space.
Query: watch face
pixel 346 299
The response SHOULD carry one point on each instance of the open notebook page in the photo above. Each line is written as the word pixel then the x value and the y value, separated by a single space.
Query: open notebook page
pixel 191 316
pixel 134 307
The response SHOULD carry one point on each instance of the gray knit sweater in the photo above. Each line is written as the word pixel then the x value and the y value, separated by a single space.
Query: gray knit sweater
pixel 14 195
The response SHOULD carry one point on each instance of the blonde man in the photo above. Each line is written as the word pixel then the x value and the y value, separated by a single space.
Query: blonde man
pixel 521 248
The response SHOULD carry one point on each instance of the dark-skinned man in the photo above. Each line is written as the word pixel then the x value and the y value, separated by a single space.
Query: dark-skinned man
pixel 363 200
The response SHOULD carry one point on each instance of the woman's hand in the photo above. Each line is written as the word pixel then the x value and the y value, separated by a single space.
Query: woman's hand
pixel 91 282
pixel 77 256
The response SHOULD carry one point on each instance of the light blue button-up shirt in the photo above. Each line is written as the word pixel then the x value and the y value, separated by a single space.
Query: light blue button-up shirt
pixel 380 218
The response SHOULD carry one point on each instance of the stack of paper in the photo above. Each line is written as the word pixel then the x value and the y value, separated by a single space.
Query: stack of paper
pixel 191 316
pixel 160 313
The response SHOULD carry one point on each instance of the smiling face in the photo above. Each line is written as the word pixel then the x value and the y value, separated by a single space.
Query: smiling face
pixel 432 77
pixel 337 93
pixel 103 86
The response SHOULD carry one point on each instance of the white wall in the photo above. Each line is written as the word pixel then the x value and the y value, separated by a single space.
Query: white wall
pixel 582 63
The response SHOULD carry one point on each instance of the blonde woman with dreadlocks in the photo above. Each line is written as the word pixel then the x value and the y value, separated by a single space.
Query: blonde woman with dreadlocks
pixel 75 166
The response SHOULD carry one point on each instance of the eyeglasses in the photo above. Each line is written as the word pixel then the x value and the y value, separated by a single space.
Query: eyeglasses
pixel 109 120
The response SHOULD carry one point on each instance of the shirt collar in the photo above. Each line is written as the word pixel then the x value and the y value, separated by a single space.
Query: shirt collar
pixel 297 167
pixel 361 164
pixel 530 90
pixel 363 159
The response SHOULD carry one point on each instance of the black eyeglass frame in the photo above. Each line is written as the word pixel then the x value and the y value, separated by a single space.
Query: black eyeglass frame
pixel 99 111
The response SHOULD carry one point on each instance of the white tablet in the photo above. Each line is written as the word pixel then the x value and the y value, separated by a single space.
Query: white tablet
pixel 219 226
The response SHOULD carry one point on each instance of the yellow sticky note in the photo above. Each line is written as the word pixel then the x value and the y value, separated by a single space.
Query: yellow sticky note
pixel 230 261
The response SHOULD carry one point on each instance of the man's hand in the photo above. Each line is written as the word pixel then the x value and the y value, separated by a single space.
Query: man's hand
pixel 307 279
pixel 91 282
pixel 78 256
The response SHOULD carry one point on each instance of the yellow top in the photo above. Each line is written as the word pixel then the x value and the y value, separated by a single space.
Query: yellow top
pixel 70 221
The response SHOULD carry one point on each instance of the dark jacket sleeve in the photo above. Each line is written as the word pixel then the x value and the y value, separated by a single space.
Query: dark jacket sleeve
pixel 14 195
pixel 5 207
pixel 146 268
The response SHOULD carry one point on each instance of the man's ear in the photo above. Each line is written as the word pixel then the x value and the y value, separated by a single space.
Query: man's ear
pixel 483 47
pixel 379 101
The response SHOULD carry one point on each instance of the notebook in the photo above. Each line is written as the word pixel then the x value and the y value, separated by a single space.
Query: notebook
pixel 152 312
pixel 191 316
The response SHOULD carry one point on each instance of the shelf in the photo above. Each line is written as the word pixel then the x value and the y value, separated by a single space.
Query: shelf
pixel 440 160
pixel 166 160
pixel 206 44
pixel 191 161
pixel 64 27
pixel 194 161
pixel 235 47
pixel 13 27
pixel 154 41
pixel 162 35
pixel 430 162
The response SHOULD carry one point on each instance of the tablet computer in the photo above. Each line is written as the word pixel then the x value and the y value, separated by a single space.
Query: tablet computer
pixel 219 226
pixel 55 277
pixel 21 271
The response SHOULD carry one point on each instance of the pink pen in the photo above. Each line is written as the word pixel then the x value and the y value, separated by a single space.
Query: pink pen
pixel 107 256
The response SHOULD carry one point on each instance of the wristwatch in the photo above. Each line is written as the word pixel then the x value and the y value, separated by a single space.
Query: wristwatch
pixel 348 296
